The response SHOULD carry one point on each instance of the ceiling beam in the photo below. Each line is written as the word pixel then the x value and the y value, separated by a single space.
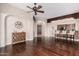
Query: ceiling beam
pixel 74 15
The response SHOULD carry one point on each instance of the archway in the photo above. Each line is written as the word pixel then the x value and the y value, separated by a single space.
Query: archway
pixel 5 27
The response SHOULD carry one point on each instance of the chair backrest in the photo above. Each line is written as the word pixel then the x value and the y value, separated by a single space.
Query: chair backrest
pixel 71 32
pixel 63 32
pixel 57 32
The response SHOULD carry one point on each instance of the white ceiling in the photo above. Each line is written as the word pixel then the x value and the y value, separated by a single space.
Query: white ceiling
pixel 52 9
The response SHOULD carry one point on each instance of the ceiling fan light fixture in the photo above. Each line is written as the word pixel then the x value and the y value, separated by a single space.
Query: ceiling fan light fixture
pixel 36 9
pixel 35 3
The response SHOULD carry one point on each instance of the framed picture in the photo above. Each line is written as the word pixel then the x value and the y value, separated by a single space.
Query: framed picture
pixel 18 24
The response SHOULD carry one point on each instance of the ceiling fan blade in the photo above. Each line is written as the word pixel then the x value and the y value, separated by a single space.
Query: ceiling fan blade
pixel 29 7
pixel 39 7
pixel 29 11
pixel 40 11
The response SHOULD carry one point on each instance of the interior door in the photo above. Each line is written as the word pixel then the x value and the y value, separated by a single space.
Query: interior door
pixel 39 30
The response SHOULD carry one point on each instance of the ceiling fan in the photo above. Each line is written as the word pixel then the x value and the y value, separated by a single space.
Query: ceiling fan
pixel 35 9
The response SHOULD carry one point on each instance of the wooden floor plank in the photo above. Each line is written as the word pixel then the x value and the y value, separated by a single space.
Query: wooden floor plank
pixel 42 47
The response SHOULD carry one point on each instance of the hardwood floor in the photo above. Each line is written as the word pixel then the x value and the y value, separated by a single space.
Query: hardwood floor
pixel 42 47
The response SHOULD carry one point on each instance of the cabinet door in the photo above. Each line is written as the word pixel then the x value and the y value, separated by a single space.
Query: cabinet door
pixel 18 37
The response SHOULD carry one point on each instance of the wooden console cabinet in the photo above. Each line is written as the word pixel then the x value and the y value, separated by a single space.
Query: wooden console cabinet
pixel 18 37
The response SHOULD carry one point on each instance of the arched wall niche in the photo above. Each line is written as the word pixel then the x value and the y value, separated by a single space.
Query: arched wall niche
pixel 9 27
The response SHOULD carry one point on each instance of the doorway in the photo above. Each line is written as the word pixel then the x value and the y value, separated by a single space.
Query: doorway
pixel 39 33
pixel 39 30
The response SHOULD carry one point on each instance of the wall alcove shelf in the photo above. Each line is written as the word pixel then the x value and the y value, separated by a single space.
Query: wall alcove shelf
pixel 18 37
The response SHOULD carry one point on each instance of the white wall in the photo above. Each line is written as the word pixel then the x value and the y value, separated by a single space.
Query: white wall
pixel 2 38
pixel 77 24
pixel 0 29
pixel 14 15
